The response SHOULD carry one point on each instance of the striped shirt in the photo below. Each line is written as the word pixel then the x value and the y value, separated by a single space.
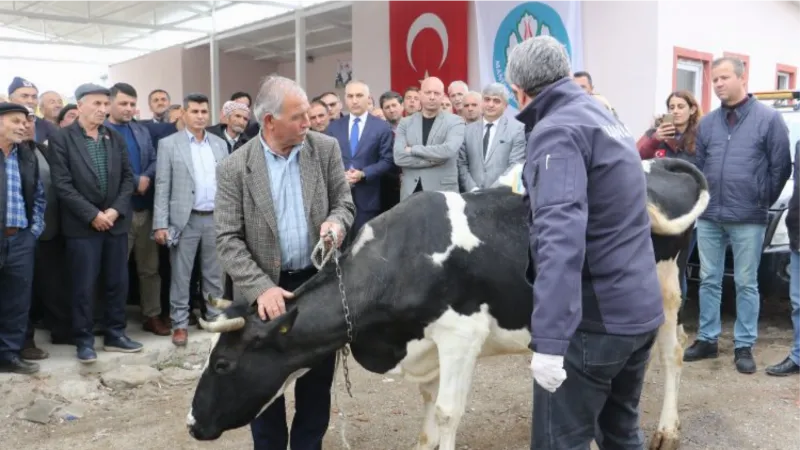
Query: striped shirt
pixel 287 196
pixel 98 152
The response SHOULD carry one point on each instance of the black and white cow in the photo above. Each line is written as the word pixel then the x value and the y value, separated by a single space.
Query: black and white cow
pixel 432 285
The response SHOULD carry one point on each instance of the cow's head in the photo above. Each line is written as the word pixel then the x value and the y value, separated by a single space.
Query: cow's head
pixel 250 364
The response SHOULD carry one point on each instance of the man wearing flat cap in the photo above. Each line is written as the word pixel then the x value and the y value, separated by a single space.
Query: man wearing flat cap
pixel 22 205
pixel 236 115
pixel 25 93
pixel 93 179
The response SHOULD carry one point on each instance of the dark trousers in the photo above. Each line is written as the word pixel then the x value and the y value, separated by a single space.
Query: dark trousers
pixel 600 397
pixel 104 256
pixel 16 280
pixel 312 394
pixel 50 296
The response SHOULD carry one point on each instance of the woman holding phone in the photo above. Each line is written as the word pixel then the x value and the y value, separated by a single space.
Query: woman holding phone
pixel 673 134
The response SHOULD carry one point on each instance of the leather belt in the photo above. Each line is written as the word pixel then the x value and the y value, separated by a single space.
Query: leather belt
pixel 203 213
pixel 310 270
pixel 11 231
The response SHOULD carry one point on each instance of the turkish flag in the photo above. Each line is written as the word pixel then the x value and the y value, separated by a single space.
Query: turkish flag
pixel 427 39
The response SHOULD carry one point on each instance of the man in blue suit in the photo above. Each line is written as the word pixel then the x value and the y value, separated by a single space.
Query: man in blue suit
pixel 366 143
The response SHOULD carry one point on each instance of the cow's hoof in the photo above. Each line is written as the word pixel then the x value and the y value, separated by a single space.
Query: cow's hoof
pixel 665 439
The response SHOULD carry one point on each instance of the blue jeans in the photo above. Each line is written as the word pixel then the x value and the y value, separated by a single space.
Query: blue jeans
pixel 794 295
pixel 746 241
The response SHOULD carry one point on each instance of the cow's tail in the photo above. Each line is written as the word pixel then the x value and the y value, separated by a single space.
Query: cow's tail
pixel 663 225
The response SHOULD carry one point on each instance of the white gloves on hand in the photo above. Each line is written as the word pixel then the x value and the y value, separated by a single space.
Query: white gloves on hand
pixel 548 371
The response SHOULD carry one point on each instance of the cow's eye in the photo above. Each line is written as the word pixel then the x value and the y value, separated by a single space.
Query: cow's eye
pixel 222 366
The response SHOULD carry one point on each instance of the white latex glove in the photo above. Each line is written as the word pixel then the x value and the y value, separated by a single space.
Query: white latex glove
pixel 548 371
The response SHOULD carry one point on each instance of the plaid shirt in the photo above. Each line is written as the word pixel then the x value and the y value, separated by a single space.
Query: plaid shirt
pixel 287 196
pixel 98 152
pixel 16 217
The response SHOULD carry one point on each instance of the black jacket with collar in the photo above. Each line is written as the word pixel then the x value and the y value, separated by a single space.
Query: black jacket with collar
pixel 78 188
pixel 219 130
pixel 793 216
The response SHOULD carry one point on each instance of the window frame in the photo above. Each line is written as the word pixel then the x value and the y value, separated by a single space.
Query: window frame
pixel 704 59
pixel 789 71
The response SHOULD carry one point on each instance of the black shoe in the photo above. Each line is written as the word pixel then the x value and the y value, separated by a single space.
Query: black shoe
pixel 701 350
pixel 18 365
pixel 743 358
pixel 787 367
pixel 31 352
pixel 122 344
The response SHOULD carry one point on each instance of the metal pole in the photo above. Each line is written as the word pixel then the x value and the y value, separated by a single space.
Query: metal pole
pixel 214 63
pixel 300 46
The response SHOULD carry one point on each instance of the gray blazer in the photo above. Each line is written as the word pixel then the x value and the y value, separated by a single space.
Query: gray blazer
pixel 435 164
pixel 51 219
pixel 506 149
pixel 246 221
pixel 174 196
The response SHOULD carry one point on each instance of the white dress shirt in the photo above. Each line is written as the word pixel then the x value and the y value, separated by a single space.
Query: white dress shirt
pixel 205 172
pixel 492 134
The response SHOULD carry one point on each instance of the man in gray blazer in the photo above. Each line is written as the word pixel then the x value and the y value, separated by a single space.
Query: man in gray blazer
pixel 183 216
pixel 426 144
pixel 492 144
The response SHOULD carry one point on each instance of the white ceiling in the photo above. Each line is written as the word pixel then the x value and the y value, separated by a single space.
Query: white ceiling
pixel 113 31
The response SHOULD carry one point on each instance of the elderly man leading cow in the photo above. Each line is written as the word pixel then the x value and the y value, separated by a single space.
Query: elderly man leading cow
pixel 597 300
pixel 276 196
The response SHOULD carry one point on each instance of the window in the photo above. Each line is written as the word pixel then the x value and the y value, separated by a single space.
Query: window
pixel 691 71
pixel 785 77
pixel 689 77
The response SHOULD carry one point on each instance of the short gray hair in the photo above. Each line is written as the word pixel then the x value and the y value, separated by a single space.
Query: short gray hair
pixel 496 90
pixel 738 64
pixel 458 83
pixel 366 86
pixel 473 94
pixel 537 63
pixel 272 93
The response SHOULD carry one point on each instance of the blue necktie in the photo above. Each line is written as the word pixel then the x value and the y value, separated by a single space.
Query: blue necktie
pixel 354 137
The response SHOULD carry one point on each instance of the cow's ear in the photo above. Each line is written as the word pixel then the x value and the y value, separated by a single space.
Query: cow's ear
pixel 281 326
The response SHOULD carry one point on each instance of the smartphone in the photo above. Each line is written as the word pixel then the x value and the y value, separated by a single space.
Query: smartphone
pixel 668 118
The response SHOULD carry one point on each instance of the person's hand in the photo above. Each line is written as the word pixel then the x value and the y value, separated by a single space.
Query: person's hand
pixel 548 371
pixel 112 215
pixel 408 149
pixel 272 302
pixel 665 131
pixel 323 233
pixel 161 236
pixel 354 176
pixel 144 183
pixel 101 222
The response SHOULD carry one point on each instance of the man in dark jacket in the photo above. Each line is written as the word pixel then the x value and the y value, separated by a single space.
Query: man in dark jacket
pixel 232 132
pixel 743 150
pixel 597 299
pixel 93 179
pixel 22 205
pixel 791 365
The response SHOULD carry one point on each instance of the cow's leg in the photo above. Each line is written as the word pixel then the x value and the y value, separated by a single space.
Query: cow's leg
pixel 459 340
pixel 429 436
pixel 667 436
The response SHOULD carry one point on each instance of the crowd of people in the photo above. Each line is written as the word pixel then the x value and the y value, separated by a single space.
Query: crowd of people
pixel 88 186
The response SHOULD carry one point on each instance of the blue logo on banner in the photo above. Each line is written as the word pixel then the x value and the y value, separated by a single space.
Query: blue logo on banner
pixel 524 22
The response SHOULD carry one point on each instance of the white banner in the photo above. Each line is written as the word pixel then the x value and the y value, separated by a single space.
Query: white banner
pixel 502 25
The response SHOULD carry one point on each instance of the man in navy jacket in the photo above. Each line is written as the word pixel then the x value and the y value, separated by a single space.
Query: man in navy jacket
pixel 597 299
pixel 743 150
pixel 366 144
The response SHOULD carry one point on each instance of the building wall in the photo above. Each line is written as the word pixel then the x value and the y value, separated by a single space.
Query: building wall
pixel 768 32
pixel 237 72
pixel 157 70
pixel 320 74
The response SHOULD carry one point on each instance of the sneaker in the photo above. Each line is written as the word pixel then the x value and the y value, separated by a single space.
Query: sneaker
pixel 701 350
pixel 122 344
pixel 743 358
pixel 86 355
